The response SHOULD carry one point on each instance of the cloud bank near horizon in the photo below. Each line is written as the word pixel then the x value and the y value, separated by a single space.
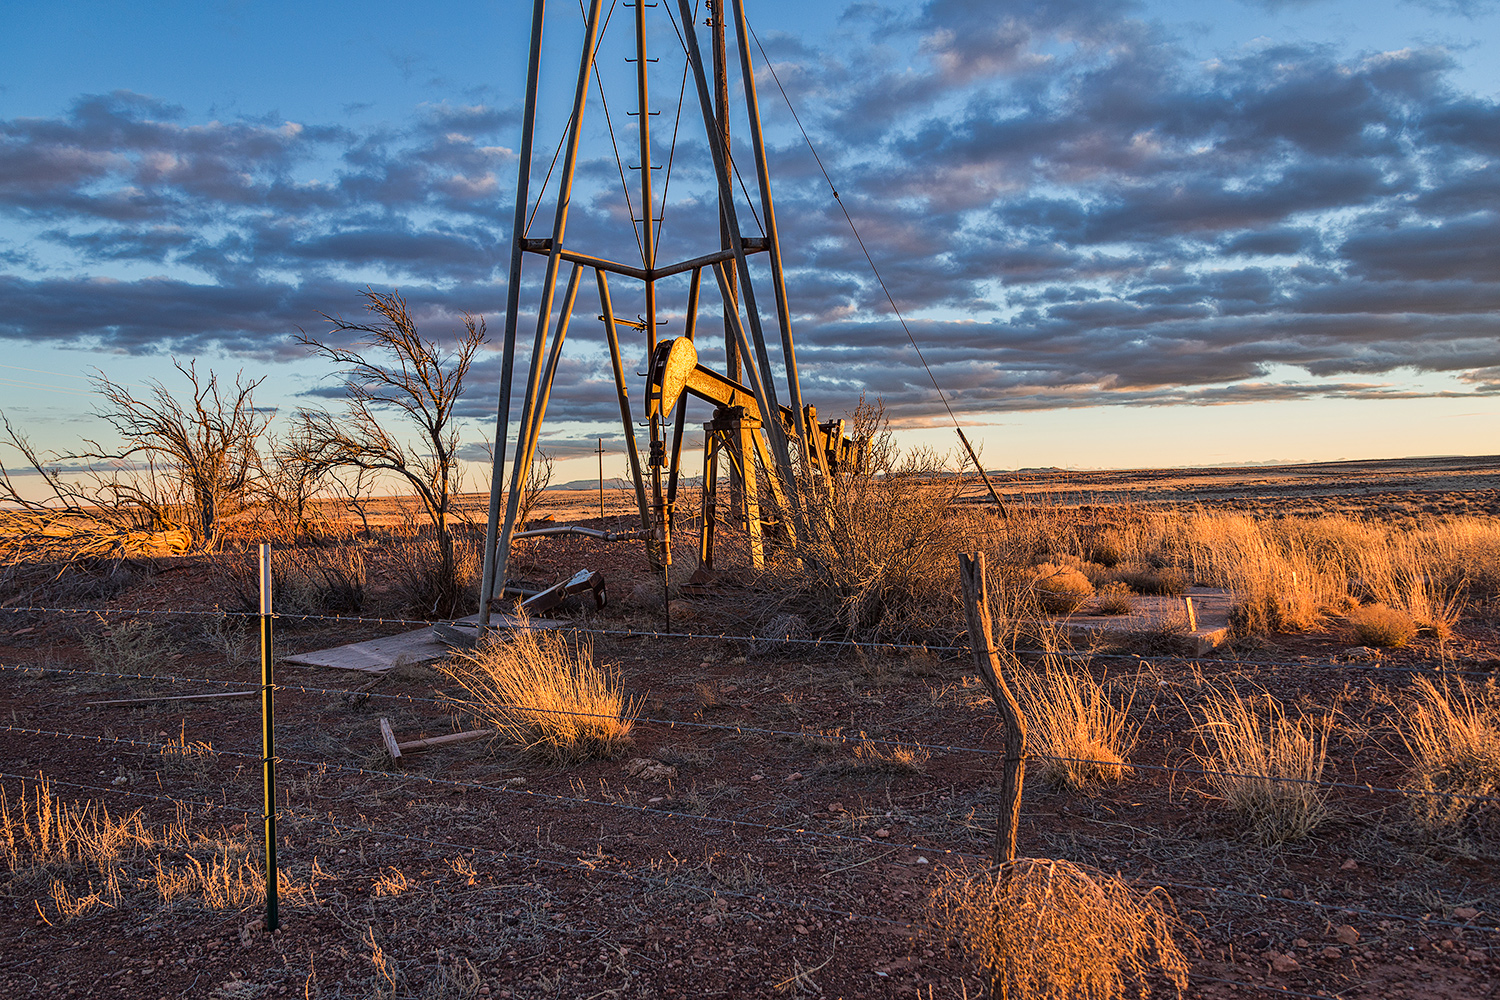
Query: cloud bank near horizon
pixel 1069 210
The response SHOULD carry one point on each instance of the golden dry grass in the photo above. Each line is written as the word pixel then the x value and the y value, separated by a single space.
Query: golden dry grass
pixel 1069 715
pixel 79 857
pixel 1453 734
pixel 1039 929
pixel 1263 763
pixel 1114 599
pixel 1379 625
pixel 1061 590
pixel 544 693
pixel 1285 573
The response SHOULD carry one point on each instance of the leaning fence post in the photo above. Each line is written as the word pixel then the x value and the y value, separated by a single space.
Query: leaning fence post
pixel 267 734
pixel 981 641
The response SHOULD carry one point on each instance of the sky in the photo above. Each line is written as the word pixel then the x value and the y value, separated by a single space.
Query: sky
pixel 1120 234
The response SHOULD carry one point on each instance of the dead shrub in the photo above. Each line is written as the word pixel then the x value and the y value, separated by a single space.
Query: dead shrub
pixel 128 646
pixel 875 558
pixel 1379 625
pixel 1114 599
pixel 1263 764
pixel 1079 736
pixel 422 582
pixel 1060 590
pixel 1168 581
pixel 1453 735
pixel 307 579
pixel 544 693
pixel 1040 929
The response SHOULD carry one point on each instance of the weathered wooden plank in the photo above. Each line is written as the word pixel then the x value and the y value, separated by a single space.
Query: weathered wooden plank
pixel 391 747
pixel 442 741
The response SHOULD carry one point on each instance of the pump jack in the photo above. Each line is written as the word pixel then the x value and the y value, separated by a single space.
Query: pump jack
pixel 750 426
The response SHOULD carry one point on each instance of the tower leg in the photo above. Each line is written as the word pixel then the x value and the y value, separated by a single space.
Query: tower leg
pixel 710 498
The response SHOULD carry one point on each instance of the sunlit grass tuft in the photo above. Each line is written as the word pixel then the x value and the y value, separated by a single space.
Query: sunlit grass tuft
pixel 1264 764
pixel 1076 736
pixel 1045 930
pixel 546 694
pixel 1453 734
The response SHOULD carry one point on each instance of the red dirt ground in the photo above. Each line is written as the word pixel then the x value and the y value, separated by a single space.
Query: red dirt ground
pixel 777 862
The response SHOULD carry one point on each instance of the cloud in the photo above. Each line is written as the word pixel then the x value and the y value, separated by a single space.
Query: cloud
pixel 1068 209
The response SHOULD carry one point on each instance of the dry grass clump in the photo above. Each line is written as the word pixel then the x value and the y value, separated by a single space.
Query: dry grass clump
pixel 546 694
pixel 128 646
pixel 423 584
pixel 41 832
pixel 80 857
pixel 1069 715
pixel 1114 599
pixel 1061 590
pixel 1166 580
pixel 1047 930
pixel 1379 625
pixel 1453 734
pixel 1263 763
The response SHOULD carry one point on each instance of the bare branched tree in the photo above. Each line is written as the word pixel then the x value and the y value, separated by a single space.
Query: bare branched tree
pixel 393 368
pixel 180 466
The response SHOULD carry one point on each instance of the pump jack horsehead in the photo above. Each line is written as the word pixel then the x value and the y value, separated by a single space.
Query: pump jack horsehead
pixel 750 426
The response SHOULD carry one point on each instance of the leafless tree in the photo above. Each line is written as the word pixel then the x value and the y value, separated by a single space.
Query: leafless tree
pixel 183 466
pixel 393 368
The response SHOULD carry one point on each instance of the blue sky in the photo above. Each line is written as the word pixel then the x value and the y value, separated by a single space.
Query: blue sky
pixel 1125 234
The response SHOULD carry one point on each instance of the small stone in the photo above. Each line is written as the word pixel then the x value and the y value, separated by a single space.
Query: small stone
pixel 121 780
pixel 1447 944
pixel 1349 865
pixel 649 770
pixel 515 782
pixel 882 833
pixel 1464 913
pixel 1287 894
pixel 757 777
pixel 709 920
pixel 1302 943
pixel 838 807
pixel 655 800
pixel 1346 935
pixel 800 928
pixel 795 776
pixel 1332 952
pixel 1475 955
pixel 1284 963
pixel 923 861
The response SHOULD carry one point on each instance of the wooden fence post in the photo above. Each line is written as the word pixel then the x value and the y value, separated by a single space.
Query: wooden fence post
pixel 981 641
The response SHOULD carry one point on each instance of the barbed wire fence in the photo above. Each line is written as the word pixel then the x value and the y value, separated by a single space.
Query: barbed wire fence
pixel 739 825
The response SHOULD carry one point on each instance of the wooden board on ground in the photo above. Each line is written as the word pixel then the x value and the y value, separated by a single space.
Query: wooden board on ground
pixel 379 655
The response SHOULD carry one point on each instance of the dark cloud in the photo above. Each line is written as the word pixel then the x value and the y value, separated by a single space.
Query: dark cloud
pixel 1069 210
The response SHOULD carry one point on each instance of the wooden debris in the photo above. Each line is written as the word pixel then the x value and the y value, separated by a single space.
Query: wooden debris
pixel 397 749
pixel 174 697
pixel 390 739
pixel 442 741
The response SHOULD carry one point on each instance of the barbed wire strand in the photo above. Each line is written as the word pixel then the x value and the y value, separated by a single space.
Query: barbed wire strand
pixel 1439 667
pixel 345 827
pixel 861 738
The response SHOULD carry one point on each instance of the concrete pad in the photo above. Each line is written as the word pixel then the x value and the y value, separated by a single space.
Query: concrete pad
pixel 376 656
pixel 1210 607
